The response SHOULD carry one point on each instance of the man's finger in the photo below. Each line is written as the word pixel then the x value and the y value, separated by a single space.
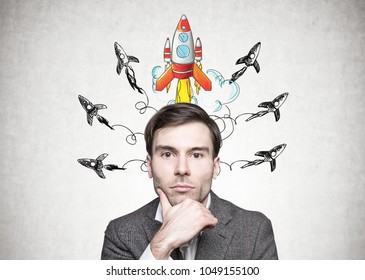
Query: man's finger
pixel 213 222
pixel 164 201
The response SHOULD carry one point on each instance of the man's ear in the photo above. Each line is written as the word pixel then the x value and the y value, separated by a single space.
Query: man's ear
pixel 149 166
pixel 216 163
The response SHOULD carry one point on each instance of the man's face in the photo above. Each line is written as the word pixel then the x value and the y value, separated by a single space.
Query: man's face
pixel 182 164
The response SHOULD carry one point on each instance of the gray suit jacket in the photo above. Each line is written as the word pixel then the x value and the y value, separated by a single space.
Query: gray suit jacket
pixel 239 234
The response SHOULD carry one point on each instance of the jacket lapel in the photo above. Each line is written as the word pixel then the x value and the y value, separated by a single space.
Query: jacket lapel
pixel 214 243
pixel 150 225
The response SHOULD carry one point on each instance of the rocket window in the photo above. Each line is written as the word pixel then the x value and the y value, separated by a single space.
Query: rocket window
pixel 183 37
pixel 182 51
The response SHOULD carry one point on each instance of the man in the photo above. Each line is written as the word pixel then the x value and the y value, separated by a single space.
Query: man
pixel 187 221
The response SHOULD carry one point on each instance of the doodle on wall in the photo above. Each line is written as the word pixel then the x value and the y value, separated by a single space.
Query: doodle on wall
pixel 182 61
pixel 123 61
pixel 248 60
pixel 92 111
pixel 269 156
pixel 97 164
pixel 272 106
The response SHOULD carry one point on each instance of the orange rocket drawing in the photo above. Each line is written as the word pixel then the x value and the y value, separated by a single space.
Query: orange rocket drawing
pixel 183 61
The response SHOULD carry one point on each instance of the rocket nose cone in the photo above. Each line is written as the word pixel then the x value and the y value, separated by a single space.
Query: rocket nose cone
pixel 167 44
pixel 82 100
pixel 258 47
pixel 83 162
pixel 183 25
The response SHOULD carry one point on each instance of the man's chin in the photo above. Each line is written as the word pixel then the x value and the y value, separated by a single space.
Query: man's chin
pixel 177 199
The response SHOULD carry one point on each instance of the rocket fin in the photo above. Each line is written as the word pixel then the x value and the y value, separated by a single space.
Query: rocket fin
pixel 242 60
pixel 261 153
pixel 277 115
pixel 273 165
pixel 257 66
pixel 119 67
pixel 100 106
pixel 165 79
pixel 102 157
pixel 133 58
pixel 100 173
pixel 89 119
pixel 266 104
pixel 201 78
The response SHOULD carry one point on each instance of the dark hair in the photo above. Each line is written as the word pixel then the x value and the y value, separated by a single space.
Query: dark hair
pixel 178 114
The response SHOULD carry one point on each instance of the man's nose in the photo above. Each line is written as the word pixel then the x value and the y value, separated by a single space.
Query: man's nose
pixel 182 166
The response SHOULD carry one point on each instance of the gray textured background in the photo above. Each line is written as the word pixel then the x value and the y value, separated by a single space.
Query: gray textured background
pixel 53 208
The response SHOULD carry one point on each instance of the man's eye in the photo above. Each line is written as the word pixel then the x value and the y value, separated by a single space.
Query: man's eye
pixel 197 155
pixel 166 154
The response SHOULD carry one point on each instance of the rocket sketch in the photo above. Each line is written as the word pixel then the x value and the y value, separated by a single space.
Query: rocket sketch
pixel 248 60
pixel 269 156
pixel 123 61
pixel 123 58
pixel 182 61
pixel 97 165
pixel 92 111
pixel 272 106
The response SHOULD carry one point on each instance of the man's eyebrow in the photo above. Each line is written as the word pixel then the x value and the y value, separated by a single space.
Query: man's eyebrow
pixel 170 148
pixel 200 148
pixel 164 147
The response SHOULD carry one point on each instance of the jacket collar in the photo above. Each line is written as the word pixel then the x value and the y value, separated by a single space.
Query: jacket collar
pixel 214 242
pixel 150 225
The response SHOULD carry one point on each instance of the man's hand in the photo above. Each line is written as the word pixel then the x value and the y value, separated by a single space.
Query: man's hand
pixel 181 223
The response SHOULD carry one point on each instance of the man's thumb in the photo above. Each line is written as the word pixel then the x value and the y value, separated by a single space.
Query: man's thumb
pixel 164 201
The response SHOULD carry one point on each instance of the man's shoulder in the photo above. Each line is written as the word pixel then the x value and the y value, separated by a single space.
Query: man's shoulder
pixel 148 210
pixel 238 213
pixel 251 231
pixel 127 237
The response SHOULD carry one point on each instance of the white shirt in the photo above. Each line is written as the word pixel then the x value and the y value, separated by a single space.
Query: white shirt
pixel 188 250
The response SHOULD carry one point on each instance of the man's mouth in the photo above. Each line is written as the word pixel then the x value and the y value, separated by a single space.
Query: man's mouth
pixel 182 188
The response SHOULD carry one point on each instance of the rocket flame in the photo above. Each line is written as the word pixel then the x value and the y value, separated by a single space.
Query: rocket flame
pixel 184 92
